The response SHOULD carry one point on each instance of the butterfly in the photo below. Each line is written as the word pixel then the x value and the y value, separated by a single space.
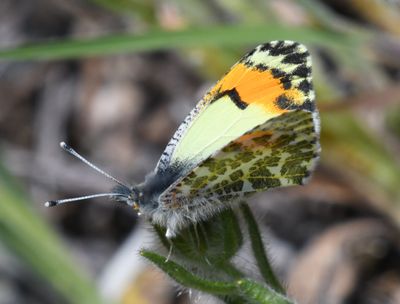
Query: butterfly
pixel 256 129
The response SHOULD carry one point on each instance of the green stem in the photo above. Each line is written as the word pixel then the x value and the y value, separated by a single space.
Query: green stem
pixel 259 250
pixel 232 238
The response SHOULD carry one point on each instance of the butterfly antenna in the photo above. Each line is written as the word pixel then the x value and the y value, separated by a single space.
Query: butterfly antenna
pixel 71 151
pixel 80 198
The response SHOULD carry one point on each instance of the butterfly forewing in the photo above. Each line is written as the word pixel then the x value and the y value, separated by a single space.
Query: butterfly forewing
pixel 273 79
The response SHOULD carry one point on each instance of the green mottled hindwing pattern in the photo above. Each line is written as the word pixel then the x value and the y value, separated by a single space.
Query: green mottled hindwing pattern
pixel 280 152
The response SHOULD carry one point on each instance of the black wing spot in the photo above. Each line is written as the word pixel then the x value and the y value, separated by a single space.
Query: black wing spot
pixel 234 96
pixel 302 71
pixel 308 105
pixel 284 103
pixel 277 73
pixel 296 58
pixel 280 48
pixel 277 49
pixel 286 84
pixel 284 78
pixel 305 86
pixel 261 67
pixel 266 47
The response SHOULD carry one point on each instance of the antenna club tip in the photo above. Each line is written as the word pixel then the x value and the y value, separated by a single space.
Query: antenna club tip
pixel 64 146
pixel 50 203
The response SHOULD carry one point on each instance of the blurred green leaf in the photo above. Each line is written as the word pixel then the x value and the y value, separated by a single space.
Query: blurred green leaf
pixel 208 36
pixel 241 291
pixel 23 231
pixel 187 278
pixel 259 294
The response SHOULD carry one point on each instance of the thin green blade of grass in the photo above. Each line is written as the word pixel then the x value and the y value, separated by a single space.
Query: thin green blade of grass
pixel 25 234
pixel 158 39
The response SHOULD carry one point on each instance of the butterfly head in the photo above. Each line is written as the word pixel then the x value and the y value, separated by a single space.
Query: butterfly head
pixel 131 196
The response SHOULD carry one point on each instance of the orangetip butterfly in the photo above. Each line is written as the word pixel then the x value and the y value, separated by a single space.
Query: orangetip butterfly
pixel 256 129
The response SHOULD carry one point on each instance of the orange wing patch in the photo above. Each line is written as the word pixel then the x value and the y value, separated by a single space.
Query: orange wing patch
pixel 256 86
pixel 253 86
pixel 246 138
pixel 276 76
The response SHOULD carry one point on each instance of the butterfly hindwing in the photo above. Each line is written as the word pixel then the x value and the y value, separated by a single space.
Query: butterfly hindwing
pixel 280 152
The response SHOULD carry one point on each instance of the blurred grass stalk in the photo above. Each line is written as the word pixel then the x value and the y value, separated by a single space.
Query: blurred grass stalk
pixel 26 234
pixel 160 39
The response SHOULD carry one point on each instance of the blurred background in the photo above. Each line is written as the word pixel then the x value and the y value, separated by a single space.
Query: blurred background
pixel 114 78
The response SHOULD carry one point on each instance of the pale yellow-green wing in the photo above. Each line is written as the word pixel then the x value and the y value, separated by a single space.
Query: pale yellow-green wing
pixel 273 79
pixel 279 152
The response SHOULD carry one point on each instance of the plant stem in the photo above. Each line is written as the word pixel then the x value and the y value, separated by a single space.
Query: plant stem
pixel 259 250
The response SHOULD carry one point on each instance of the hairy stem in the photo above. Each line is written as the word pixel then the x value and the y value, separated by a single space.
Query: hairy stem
pixel 259 250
